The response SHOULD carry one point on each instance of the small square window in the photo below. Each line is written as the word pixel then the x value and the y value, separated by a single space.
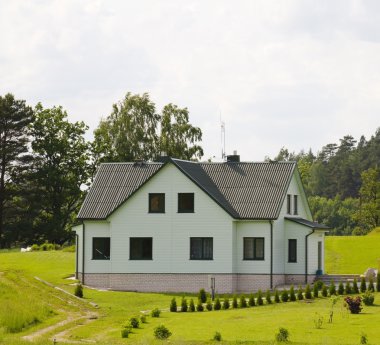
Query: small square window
pixel 101 248
pixel 156 203
pixel 185 202
pixel 140 248
pixel 201 248
pixel 292 250
pixel 253 248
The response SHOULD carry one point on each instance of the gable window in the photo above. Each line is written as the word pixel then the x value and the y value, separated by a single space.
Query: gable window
pixel 156 203
pixel 201 248
pixel 140 248
pixel 295 204
pixel 185 202
pixel 101 248
pixel 253 248
pixel 289 204
pixel 292 250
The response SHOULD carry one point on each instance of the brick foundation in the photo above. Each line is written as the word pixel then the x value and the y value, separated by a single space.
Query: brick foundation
pixel 191 282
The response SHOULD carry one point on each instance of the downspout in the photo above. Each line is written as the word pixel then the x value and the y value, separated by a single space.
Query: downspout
pixel 76 255
pixel 271 254
pixel 306 253
pixel 83 246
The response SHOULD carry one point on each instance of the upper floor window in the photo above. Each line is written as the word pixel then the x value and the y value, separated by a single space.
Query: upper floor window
pixel 289 204
pixel 101 248
pixel 156 203
pixel 201 248
pixel 185 202
pixel 253 248
pixel 295 204
pixel 140 248
pixel 292 250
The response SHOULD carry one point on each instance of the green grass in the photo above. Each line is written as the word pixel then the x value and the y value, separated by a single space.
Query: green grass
pixel 352 254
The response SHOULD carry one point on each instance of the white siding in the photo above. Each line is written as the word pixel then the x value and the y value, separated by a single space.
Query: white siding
pixel 171 231
pixel 318 236
pixel 79 246
pixel 298 232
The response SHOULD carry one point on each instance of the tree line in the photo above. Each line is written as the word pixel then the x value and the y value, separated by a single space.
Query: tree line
pixel 46 162
pixel 342 182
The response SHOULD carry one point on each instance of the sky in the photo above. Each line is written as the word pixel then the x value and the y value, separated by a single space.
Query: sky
pixel 286 73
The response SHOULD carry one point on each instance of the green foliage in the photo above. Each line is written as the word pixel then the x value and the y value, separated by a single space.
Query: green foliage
pixel 192 306
pixel 202 296
pixel 78 290
pixel 363 338
pixel 348 288
pixel 308 292
pixel 143 318
pixel 292 295
pixel 217 336
pixel 217 304
pixel 134 322
pixel 276 297
pixel 332 289
pixel 251 300
pixel 234 302
pixel 284 296
pixel 243 302
pixel 340 289
pixel 355 287
pixel 300 293
pixel 155 312
pixel 318 284
pixel 260 300
pixel 125 332
pixel 282 335
pixel 226 303
pixel 363 285
pixel 200 306
pixel 318 321
pixel 324 290
pixel 315 291
pixel 173 305
pixel 183 304
pixel 371 287
pixel 268 297
pixel 161 332
pixel 368 298
pixel 209 305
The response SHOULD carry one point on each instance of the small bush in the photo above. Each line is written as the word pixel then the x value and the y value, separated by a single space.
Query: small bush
pixel 217 336
pixel 370 285
pixel 217 304
pixel 363 338
pixel 173 305
pixel 284 296
pixel 209 305
pixel 332 289
pixel 363 285
pixel 226 303
pixel 200 306
pixel 183 305
pixel 353 304
pixel 378 282
pixel 260 300
pixel 243 302
pixel 308 292
pixel 276 297
pixel 191 306
pixel 315 291
pixel 35 248
pixel 125 332
pixel 251 300
pixel 318 321
pixel 355 288
pixel 202 296
pixel 143 318
pixel 292 295
pixel 155 312
pixel 234 302
pixel 340 289
pixel 319 284
pixel 368 298
pixel 161 332
pixel 348 288
pixel 300 293
pixel 78 290
pixel 324 291
pixel 134 322
pixel 268 297
pixel 69 249
pixel 282 335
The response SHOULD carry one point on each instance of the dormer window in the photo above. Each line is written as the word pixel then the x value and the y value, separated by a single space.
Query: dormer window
pixel 156 202
pixel 289 204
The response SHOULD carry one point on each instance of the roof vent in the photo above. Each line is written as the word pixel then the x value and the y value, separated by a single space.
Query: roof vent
pixel 235 158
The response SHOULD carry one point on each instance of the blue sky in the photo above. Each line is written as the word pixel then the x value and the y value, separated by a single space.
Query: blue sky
pixel 299 74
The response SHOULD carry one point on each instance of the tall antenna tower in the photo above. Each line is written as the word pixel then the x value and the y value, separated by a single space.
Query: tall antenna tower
pixel 223 137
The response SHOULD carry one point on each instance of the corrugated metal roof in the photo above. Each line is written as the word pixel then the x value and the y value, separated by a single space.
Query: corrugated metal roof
pixel 308 223
pixel 244 190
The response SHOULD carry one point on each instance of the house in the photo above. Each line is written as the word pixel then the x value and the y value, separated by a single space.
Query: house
pixel 177 225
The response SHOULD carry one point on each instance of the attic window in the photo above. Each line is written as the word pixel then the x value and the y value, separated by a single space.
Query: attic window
pixel 295 204
pixel 185 202
pixel 100 248
pixel 289 204
pixel 156 202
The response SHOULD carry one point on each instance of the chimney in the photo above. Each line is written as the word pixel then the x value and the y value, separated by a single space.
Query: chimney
pixel 235 158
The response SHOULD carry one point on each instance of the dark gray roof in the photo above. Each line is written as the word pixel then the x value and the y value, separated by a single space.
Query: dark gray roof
pixel 308 223
pixel 244 190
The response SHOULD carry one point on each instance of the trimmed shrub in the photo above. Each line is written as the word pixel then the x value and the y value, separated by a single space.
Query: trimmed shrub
pixel 161 332
pixel 371 287
pixel 363 338
pixel 300 293
pixel 200 306
pixel 284 296
pixel 134 322
pixel 226 303
pixel 353 304
pixel 155 312
pixel 243 302
pixel 143 318
pixel 202 296
pixel 234 302
pixel 340 289
pixel 251 300
pixel 292 295
pixel 183 304
pixel 217 336
pixel 35 248
pixel 378 282
pixel 276 297
pixel 355 288
pixel 363 285
pixel 332 289
pixel 268 297
pixel 260 300
pixel 217 304
pixel 191 306
pixel 319 284
pixel 348 288
pixel 308 292
pixel 78 290
pixel 368 298
pixel 125 332
pixel 315 291
pixel 282 335
pixel 209 305
pixel 173 305
pixel 324 291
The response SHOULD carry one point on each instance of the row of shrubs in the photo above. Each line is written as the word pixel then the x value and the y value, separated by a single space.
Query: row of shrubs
pixel 135 321
pixel 46 246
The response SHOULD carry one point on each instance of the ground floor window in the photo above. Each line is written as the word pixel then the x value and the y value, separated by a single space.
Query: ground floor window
pixel 101 248
pixel 140 248
pixel 201 248
pixel 253 248
pixel 292 250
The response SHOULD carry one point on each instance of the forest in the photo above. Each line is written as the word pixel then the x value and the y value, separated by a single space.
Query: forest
pixel 46 166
